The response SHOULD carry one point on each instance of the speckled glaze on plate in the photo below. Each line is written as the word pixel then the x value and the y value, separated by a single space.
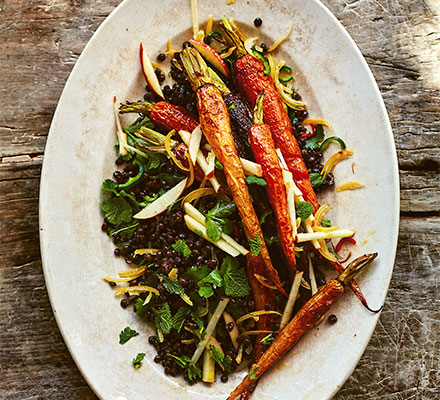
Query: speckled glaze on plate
pixel 337 85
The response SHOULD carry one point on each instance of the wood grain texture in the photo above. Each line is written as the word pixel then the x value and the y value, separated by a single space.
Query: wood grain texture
pixel 41 40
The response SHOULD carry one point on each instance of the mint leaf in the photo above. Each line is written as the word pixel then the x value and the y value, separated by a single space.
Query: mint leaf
pixel 172 287
pixel 182 248
pixel 193 372
pixel 315 179
pixel 162 319
pixel 227 226
pixel 313 142
pixel 227 364
pixel 303 210
pixel 213 229
pixel 222 209
pixel 197 274
pixel 214 278
pixel 178 318
pixel 126 335
pixel 137 362
pixel 255 245
pixel 235 278
pixel 252 373
pixel 117 210
pixel 326 223
pixel 199 321
pixel 255 179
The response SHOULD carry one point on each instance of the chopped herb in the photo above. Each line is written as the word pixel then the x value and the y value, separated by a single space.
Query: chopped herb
pixel 162 319
pixel 172 286
pixel 252 375
pixel 255 179
pixel 314 141
pixel 227 364
pixel 126 335
pixel 315 179
pixel 235 278
pixel 205 291
pixel 222 209
pixel 197 274
pixel 128 229
pixel 216 355
pixel 193 372
pixel 231 107
pixel 181 361
pixel 265 215
pixel 139 306
pixel 326 223
pixel 178 318
pixel 215 220
pixel 182 248
pixel 213 229
pixel 218 165
pixel 117 210
pixel 255 245
pixel 267 339
pixel 137 362
pixel 209 283
pixel 271 240
pixel 136 125
pixel 199 321
pixel 303 210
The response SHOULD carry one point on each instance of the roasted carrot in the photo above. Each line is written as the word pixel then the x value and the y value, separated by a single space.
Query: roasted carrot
pixel 216 126
pixel 251 81
pixel 164 114
pixel 305 319
pixel 263 147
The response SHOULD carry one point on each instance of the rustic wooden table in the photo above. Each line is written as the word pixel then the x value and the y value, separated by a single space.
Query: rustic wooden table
pixel 40 42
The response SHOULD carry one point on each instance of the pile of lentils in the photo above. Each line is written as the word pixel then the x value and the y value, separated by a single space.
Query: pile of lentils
pixel 161 233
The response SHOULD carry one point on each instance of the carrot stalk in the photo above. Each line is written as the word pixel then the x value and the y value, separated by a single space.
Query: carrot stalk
pixel 305 319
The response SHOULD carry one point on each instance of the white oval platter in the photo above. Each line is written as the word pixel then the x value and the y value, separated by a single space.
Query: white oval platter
pixel 336 83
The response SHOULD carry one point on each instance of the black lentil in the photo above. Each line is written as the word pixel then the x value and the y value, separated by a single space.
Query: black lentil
pixel 332 319
pixel 161 57
pixel 258 21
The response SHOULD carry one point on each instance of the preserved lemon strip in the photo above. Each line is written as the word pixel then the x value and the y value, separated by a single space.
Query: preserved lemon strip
pixel 349 186
pixel 136 290
pixel 256 315
pixel 333 160
pixel 141 252
pixel 132 272
pixel 314 121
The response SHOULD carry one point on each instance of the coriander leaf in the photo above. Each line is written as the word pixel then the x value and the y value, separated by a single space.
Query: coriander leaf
pixel 128 229
pixel 181 361
pixel 315 179
pixel 126 335
pixel 303 210
pixel 156 161
pixel 162 319
pixel 313 142
pixel 218 165
pixel 326 223
pixel 216 355
pixel 252 373
pixel 255 179
pixel 197 274
pixel 193 372
pixel 172 287
pixel 222 209
pixel 117 210
pixel 255 245
pixel 178 318
pixel 265 215
pixel 182 248
pixel 205 290
pixel 235 278
pixel 213 229
pixel 137 362
pixel 109 186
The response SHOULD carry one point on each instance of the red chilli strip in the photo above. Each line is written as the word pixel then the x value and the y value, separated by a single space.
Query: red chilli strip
pixel 342 241
pixel 306 135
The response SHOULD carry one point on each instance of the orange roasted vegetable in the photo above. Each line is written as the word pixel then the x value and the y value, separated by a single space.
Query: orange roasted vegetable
pixel 305 319
pixel 216 126
pixel 264 151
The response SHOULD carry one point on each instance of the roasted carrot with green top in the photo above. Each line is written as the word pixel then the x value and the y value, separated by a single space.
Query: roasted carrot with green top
pixel 263 147
pixel 251 80
pixel 305 319
pixel 216 126
pixel 164 114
